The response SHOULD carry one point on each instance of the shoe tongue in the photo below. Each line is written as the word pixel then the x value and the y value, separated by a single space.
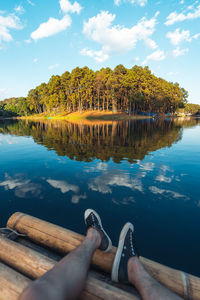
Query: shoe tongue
pixel 89 221
pixel 104 243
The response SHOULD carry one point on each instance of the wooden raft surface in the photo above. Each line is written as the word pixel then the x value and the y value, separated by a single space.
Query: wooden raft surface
pixel 33 264
pixel 32 261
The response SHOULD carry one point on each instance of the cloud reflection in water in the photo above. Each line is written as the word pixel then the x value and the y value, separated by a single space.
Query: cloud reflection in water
pixel 21 186
pixel 63 186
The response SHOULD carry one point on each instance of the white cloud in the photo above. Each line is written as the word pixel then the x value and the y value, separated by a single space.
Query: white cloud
pixel 175 17
pixel 177 36
pixel 142 2
pixel 196 36
pixel 155 190
pixel 28 187
pixel 2 91
pixel 103 183
pixel 63 186
pixel 163 178
pixel 157 55
pixel 147 166
pixel 98 167
pixel 19 9
pixel 35 60
pixel 116 39
pixel 190 7
pixel 30 2
pixel 178 52
pixel 28 41
pixel 139 2
pixel 182 2
pixel 124 201
pixel 99 56
pixel 127 200
pixel 20 186
pixel 67 7
pixel 101 166
pixel 53 66
pixel 10 184
pixel 151 44
pixel 11 141
pixel 7 23
pixel 76 198
pixel 165 168
pixel 51 27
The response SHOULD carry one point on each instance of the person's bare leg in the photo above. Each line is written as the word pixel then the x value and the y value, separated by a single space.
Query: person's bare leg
pixel 67 279
pixel 147 286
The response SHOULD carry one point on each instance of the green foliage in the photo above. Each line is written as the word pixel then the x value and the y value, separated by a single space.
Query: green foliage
pixel 191 108
pixel 14 107
pixel 132 90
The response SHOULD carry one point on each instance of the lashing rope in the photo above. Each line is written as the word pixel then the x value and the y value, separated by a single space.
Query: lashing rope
pixel 11 231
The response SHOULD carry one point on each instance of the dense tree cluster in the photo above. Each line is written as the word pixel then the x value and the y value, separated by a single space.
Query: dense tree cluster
pixel 128 90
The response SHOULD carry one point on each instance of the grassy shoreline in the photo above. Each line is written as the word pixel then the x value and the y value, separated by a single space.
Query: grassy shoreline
pixel 86 115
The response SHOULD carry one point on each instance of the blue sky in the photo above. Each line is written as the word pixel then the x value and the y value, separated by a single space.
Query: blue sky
pixel 42 38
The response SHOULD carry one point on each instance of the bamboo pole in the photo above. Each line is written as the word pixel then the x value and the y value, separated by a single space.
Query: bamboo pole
pixel 34 265
pixel 57 238
pixel 11 283
pixel 27 261
pixel 64 240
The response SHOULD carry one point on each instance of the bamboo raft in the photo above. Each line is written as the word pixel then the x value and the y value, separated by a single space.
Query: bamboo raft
pixel 29 247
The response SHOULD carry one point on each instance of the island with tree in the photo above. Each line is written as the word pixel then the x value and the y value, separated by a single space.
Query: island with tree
pixel 134 91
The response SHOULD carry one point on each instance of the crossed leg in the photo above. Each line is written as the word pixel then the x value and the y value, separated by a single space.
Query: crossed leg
pixel 66 279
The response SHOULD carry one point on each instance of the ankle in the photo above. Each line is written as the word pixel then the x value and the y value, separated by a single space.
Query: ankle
pixel 134 269
pixel 94 235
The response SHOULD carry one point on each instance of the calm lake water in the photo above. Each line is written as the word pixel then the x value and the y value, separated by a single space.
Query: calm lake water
pixel 145 172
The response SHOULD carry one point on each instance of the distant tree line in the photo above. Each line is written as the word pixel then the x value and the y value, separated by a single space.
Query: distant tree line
pixel 191 108
pixel 127 90
pixel 14 107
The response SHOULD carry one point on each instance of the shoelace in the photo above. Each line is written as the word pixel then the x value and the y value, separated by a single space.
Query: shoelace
pixel 131 241
pixel 93 221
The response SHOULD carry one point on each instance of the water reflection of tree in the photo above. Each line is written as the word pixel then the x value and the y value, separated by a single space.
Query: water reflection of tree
pixel 130 140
